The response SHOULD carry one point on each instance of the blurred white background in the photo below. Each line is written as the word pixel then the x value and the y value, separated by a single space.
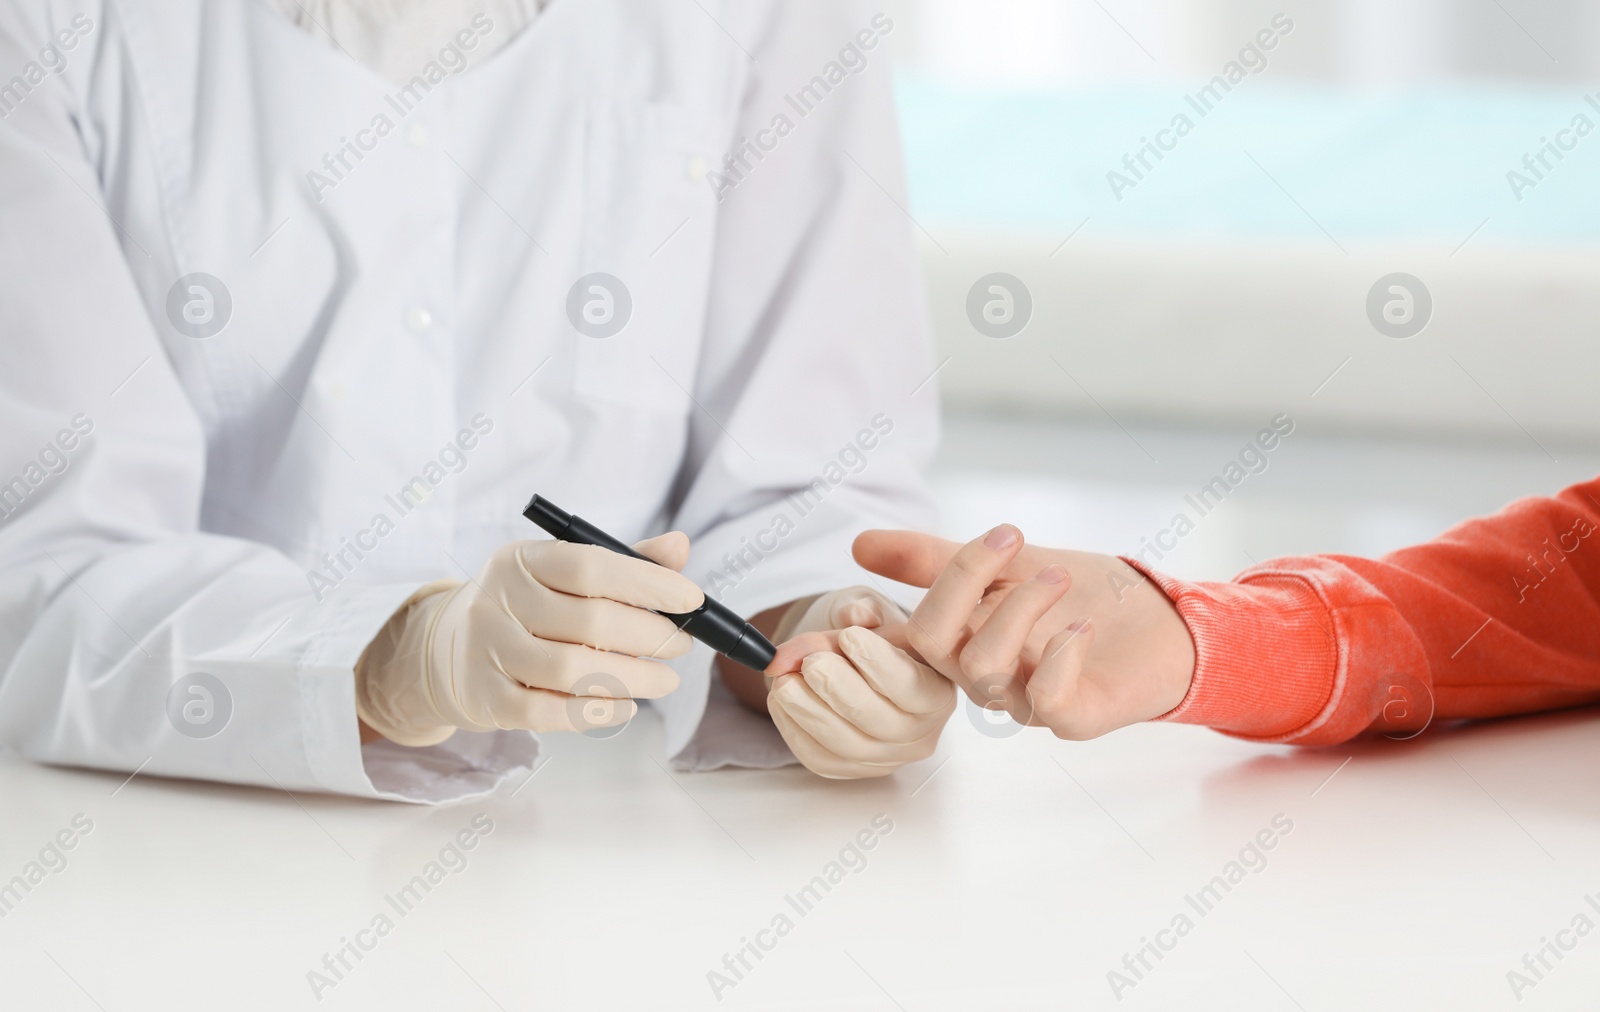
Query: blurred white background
pixel 1229 283
pixel 1357 42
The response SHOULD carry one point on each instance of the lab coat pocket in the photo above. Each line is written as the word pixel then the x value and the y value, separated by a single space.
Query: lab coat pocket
pixel 637 306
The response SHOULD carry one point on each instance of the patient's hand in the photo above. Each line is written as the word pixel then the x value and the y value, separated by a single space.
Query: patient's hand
pixel 1077 642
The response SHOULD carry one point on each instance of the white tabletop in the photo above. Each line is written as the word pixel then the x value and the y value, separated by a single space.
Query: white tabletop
pixel 1017 872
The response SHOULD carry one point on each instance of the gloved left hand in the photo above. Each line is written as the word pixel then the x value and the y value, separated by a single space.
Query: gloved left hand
pixel 858 706
pixel 839 609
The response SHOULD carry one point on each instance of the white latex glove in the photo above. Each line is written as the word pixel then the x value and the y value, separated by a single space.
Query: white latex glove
pixel 549 636
pixel 859 706
pixel 839 609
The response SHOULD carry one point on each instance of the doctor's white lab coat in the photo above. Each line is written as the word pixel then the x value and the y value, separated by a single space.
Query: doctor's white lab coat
pixel 284 340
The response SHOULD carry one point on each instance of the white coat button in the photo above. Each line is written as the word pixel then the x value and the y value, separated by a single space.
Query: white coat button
pixel 418 320
pixel 697 168
pixel 417 135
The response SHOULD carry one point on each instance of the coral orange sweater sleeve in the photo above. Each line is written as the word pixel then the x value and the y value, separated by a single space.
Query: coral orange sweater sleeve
pixel 1498 616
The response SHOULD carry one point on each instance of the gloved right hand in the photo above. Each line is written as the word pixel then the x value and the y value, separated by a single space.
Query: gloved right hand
pixel 549 636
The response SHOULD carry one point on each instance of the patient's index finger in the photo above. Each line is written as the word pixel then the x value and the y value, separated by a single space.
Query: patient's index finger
pixel 941 619
pixel 792 652
pixel 908 557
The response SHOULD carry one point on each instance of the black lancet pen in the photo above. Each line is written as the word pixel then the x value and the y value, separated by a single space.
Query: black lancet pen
pixel 713 623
